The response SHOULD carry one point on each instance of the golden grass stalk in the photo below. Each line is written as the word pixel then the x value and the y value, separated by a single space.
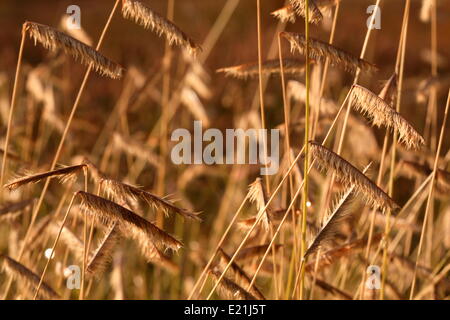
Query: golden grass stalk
pixel 149 19
pixel 240 274
pixel 429 206
pixel 53 40
pixel 289 154
pixel 320 51
pixel 300 8
pixel 349 175
pixel 102 256
pixel 229 288
pixel 65 174
pixel 28 278
pixel 249 232
pixel 382 114
pixel 268 67
pixel 131 224
pixel 218 246
pixel 12 109
pixel 261 82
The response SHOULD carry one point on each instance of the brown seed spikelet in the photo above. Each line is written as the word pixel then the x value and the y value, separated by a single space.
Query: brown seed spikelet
pixel 123 193
pixel 102 256
pixel 53 39
pixel 331 256
pixel 146 17
pixel 230 289
pixel 329 229
pixel 257 194
pixel 153 255
pixel 119 189
pixel 349 175
pixel 28 278
pixel 130 224
pixel 64 174
pixel 299 6
pixel 320 51
pixel 382 114
pixel 240 274
pixel 269 67
pixel 285 14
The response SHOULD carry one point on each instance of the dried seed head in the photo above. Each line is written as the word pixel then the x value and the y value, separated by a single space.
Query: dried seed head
pixel 65 174
pixel 349 175
pixel 146 17
pixel 382 114
pixel 230 289
pixel 269 67
pixel 299 6
pixel 285 14
pixel 130 224
pixel 321 51
pixel 28 278
pixel 330 227
pixel 102 256
pixel 125 193
pixel 257 194
pixel 240 275
pixel 53 39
